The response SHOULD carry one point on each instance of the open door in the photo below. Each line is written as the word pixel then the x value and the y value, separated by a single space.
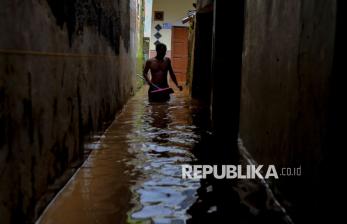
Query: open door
pixel 179 52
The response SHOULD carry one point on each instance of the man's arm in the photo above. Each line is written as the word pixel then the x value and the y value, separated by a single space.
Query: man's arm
pixel 172 75
pixel 145 72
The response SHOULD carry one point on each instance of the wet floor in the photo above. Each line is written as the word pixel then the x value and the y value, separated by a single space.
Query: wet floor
pixel 133 175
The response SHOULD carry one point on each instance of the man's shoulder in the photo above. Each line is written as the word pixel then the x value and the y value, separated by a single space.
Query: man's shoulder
pixel 155 59
pixel 150 60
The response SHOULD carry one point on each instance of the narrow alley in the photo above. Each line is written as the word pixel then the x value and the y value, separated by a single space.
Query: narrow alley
pixel 172 111
pixel 133 173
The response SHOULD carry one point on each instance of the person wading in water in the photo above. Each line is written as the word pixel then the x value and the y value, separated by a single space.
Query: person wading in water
pixel 159 67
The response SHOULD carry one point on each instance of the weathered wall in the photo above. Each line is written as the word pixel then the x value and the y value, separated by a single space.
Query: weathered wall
pixel 287 63
pixel 287 67
pixel 66 67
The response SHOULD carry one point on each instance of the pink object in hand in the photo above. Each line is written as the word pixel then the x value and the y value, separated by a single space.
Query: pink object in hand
pixel 163 90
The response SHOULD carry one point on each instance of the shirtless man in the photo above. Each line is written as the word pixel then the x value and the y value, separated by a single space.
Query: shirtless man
pixel 159 67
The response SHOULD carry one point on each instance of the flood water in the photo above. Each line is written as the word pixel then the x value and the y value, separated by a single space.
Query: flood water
pixel 161 143
pixel 133 174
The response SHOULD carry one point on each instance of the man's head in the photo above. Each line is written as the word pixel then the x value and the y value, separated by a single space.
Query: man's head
pixel 161 50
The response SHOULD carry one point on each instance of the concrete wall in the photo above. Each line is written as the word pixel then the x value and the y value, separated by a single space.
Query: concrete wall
pixel 288 57
pixel 66 68
pixel 287 64
pixel 286 83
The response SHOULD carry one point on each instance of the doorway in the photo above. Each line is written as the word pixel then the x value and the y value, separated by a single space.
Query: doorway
pixel 179 52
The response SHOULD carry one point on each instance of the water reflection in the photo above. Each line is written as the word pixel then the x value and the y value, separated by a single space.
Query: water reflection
pixel 230 200
pixel 134 175
pixel 168 136
pixel 160 119
pixel 175 133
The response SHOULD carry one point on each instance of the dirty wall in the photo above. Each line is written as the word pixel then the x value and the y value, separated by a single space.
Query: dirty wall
pixel 285 95
pixel 66 68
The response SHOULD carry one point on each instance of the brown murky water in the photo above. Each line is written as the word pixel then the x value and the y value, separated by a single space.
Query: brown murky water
pixel 134 174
